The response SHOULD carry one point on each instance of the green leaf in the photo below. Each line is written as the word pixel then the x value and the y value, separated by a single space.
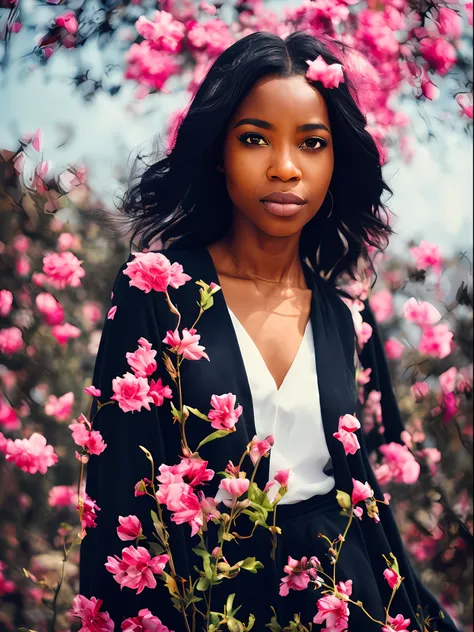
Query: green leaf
pixel 251 564
pixel 203 584
pixel 215 435
pixel 198 413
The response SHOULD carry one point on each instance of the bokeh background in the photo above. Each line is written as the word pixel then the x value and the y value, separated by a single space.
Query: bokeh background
pixel 85 89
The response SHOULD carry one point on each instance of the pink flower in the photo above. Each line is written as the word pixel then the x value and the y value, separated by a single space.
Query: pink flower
pixel 402 464
pixel 142 361
pixel 439 53
pixel 449 23
pixel 89 440
pixel 235 486
pixel 144 622
pixel 333 612
pixel 8 417
pixel 361 491
pixel 88 610
pixel 427 255
pixel 89 509
pixel 131 393
pixel 299 574
pixel 164 32
pixel 189 510
pixel 260 448
pixel 381 303
pixel 111 313
pixel 224 414
pixel 92 312
pixel 187 346
pixel 465 99
pixel 330 75
pixel 194 472
pixel 392 578
pixel 397 624
pixel 6 300
pixel 60 408
pixel 420 390
pixel 421 314
pixel 345 588
pixel 68 21
pixel 282 477
pixel 348 424
pixel 62 496
pixel 11 340
pixel 158 391
pixel 65 332
pixel 32 455
pixel 436 341
pixel 136 569
pixel 50 309
pixel 149 271
pixel 92 391
pixel 394 349
pixel 63 269
pixel 130 528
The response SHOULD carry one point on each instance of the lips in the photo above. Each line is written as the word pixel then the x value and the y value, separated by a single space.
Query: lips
pixel 281 197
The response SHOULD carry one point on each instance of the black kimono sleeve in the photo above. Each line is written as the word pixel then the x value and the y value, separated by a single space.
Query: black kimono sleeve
pixel 111 476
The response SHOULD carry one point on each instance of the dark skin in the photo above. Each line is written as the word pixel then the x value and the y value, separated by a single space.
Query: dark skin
pixel 257 261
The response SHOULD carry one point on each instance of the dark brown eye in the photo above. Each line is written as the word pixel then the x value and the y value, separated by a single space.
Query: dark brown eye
pixel 322 143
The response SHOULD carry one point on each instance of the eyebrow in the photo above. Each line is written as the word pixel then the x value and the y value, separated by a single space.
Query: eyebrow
pixel 307 127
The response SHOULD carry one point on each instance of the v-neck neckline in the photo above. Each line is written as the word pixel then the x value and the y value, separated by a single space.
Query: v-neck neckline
pixel 262 361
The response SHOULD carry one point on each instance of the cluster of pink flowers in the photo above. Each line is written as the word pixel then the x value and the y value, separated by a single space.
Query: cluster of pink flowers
pixel 177 491
pixel 88 611
pixel 436 340
pixel 31 455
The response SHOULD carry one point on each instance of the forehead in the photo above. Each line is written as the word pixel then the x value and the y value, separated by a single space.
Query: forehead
pixel 284 99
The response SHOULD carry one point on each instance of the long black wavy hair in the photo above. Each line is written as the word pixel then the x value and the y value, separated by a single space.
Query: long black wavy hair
pixel 182 199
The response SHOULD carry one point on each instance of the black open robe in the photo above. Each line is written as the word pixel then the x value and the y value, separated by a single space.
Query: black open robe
pixel 112 475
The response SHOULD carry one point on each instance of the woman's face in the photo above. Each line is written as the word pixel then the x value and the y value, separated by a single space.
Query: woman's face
pixel 277 154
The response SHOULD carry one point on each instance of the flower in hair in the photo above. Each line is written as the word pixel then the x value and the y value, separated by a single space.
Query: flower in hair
pixel 330 75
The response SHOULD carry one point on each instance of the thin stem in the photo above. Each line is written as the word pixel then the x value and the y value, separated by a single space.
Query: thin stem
pixel 56 594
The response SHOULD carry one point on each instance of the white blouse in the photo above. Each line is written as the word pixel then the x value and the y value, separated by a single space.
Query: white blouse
pixel 292 414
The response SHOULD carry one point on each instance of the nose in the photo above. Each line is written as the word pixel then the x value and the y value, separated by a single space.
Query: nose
pixel 283 167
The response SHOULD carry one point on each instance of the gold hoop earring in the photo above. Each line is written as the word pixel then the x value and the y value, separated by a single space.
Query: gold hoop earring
pixel 332 205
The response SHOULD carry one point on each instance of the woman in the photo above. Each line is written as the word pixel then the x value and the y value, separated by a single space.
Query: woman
pixel 278 336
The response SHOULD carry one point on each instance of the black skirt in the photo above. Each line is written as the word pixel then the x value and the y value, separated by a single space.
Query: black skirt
pixel 301 523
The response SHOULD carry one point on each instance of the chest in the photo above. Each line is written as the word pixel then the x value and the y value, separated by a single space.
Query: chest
pixel 276 325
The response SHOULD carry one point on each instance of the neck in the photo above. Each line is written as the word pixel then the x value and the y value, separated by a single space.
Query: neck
pixel 261 257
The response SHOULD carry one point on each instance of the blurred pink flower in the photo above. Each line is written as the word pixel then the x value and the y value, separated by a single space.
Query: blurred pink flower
pixel 62 496
pixel 92 312
pixel 449 23
pixel 381 303
pixel 92 391
pixel 436 341
pixel 224 413
pixel 361 491
pixel 63 269
pixel 68 21
pixel 65 332
pixel 394 349
pixel 421 313
pixel 60 408
pixel 282 477
pixel 465 99
pixel 92 620
pixel 11 340
pixel 111 313
pixel 136 569
pixel 32 455
pixel 165 33
pixel 9 420
pixel 131 393
pixel 6 300
pixel 439 53
pixel 404 468
pixel 427 255
pixel 50 309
